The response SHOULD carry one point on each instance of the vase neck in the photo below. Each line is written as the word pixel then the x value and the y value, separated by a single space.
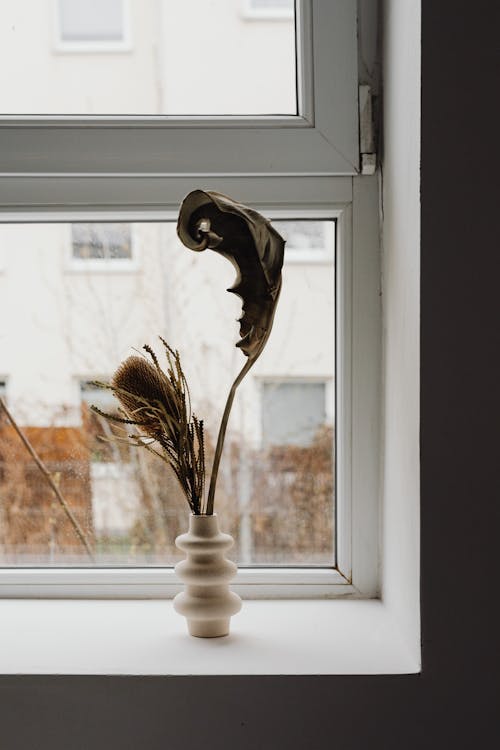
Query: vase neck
pixel 203 525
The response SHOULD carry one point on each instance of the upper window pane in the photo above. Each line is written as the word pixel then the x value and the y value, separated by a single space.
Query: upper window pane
pixel 147 57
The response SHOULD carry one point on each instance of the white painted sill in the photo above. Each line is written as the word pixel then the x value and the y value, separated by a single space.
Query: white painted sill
pixel 108 267
pixel 162 583
pixel 91 48
pixel 92 637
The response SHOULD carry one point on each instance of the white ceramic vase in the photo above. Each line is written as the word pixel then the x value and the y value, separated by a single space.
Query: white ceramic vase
pixel 207 603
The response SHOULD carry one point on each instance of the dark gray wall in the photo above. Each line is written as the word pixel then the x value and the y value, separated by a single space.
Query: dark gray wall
pixel 451 704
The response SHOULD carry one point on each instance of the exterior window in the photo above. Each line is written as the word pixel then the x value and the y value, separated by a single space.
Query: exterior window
pixel 292 413
pixel 295 468
pixel 308 241
pixel 269 9
pixel 92 394
pixel 114 479
pixel 93 426
pixel 101 242
pixel 100 22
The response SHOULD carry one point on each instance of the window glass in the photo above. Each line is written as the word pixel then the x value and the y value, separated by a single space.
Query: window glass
pixel 144 57
pixel 292 413
pixel 95 427
pixel 302 235
pixel 272 5
pixel 62 328
pixel 92 20
pixel 101 241
pixel 308 240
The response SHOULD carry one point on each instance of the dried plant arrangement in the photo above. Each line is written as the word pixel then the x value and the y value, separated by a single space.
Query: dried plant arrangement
pixel 157 403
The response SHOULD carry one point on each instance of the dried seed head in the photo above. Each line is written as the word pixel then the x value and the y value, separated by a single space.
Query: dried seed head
pixel 143 391
pixel 159 404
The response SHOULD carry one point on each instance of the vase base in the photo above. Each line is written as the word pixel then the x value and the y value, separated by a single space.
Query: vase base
pixel 209 628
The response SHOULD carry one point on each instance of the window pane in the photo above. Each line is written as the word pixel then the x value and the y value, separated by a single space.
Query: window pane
pixel 101 241
pixel 65 324
pixel 292 413
pixel 91 20
pixel 147 57
pixel 272 4
pixel 302 235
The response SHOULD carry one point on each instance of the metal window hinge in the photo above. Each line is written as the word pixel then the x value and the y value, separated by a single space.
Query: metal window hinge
pixel 367 153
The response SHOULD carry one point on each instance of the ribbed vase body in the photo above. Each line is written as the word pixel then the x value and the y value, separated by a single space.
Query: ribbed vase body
pixel 206 603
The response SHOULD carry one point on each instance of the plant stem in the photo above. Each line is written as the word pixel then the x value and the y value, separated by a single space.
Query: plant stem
pixel 76 526
pixel 222 432
pixel 225 417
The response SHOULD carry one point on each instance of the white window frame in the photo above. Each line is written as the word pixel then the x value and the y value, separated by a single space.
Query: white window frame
pixel 124 44
pixel 139 169
pixel 57 160
pixel 358 381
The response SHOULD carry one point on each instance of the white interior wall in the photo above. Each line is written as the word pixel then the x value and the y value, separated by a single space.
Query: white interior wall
pixel 401 291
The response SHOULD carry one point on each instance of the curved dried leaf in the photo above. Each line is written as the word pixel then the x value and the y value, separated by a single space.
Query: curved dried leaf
pixel 254 247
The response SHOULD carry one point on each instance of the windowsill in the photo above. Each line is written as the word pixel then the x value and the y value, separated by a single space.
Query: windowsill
pixel 100 266
pixel 90 47
pixel 119 637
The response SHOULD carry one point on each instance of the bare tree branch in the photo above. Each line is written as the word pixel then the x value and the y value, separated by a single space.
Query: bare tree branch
pixel 69 513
